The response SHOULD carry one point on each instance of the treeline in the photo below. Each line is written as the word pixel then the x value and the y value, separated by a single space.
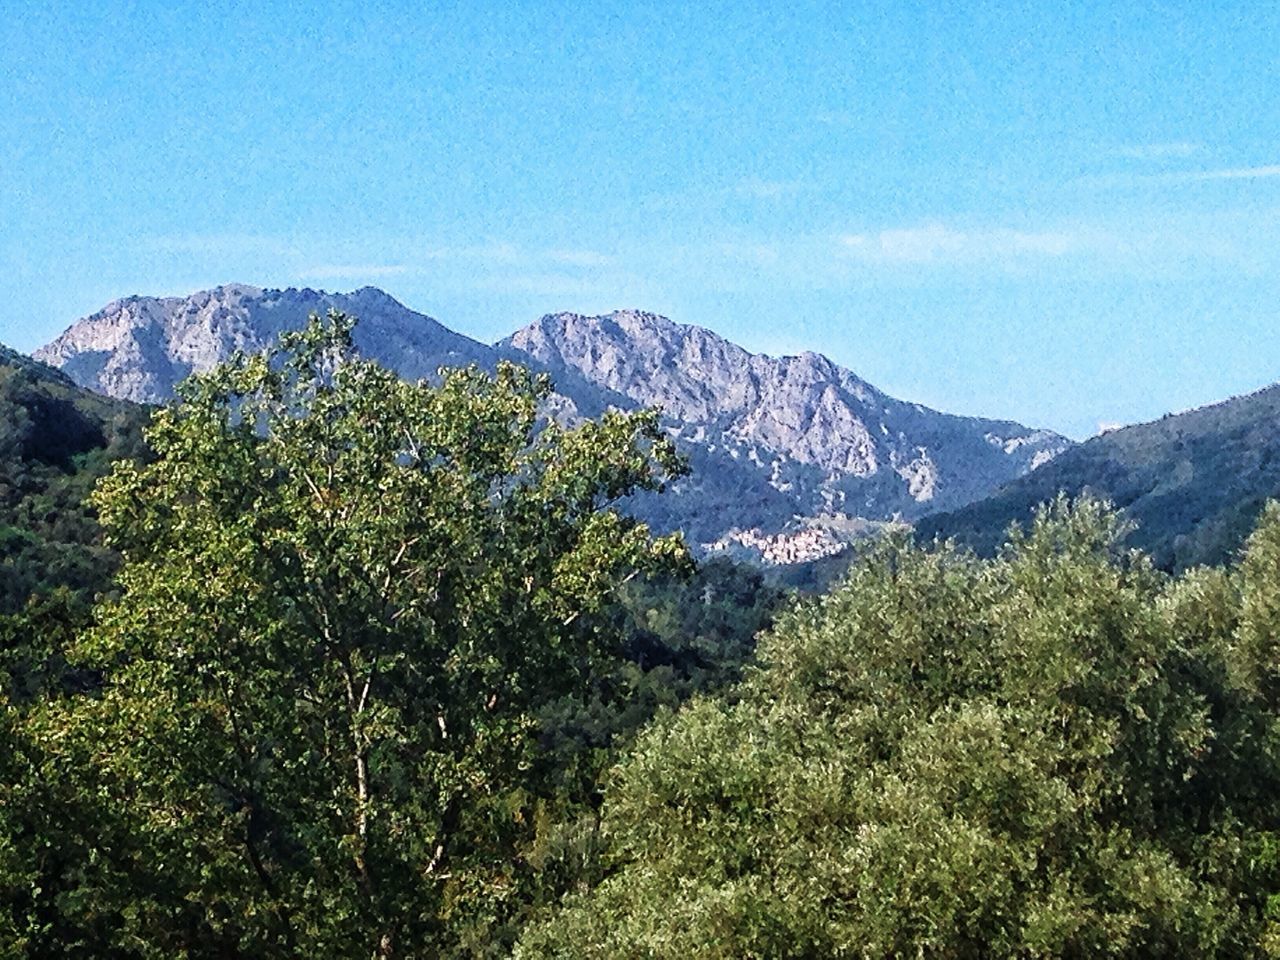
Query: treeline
pixel 1060 752
pixel 1194 483
pixel 383 673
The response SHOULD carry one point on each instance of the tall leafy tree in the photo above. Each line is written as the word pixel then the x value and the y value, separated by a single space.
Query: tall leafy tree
pixel 345 599
pixel 51 829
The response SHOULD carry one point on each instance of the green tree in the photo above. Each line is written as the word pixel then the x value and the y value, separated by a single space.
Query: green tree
pixel 1059 752
pixel 345 599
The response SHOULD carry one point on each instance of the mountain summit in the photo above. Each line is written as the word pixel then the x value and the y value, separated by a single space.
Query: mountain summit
pixel 140 348
pixel 798 440
pixel 792 456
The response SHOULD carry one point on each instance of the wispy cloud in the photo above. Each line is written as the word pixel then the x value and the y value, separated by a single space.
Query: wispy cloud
pixel 572 273
pixel 1240 242
pixel 501 253
pixel 492 252
pixel 1177 150
pixel 579 258
pixel 488 256
pixel 219 244
pixel 1231 173
pixel 552 283
pixel 1174 178
pixel 757 188
pixel 835 118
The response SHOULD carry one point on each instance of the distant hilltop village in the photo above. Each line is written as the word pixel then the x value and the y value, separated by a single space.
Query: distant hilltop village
pixel 780 549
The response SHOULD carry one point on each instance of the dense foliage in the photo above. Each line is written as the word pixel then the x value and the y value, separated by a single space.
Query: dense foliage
pixel 1193 483
pixel 56 441
pixel 345 600
pixel 385 672
pixel 681 634
pixel 1060 752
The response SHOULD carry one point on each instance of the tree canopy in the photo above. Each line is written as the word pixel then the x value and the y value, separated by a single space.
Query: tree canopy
pixel 1058 752
pixel 344 601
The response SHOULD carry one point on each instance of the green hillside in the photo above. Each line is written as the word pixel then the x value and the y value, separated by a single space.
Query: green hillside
pixel 56 440
pixel 1194 483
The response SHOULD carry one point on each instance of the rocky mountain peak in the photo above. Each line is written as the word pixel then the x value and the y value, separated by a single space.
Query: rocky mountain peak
pixel 822 441
pixel 791 455
pixel 139 348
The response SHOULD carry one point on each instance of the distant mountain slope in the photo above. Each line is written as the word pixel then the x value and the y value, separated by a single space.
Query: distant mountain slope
pixel 1194 482
pixel 56 440
pixel 140 348
pixel 791 455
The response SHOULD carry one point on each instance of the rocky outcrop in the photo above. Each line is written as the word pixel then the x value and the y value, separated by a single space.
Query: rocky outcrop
pixel 140 348
pixel 781 441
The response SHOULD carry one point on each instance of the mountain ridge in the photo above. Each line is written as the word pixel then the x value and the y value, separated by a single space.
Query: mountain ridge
pixel 792 456
pixel 848 450
pixel 138 348
pixel 1192 482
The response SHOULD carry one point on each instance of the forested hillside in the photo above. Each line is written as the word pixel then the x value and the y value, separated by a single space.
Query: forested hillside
pixel 384 671
pixel 56 441
pixel 1193 483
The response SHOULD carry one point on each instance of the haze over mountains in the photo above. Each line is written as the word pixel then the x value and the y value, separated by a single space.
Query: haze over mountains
pixel 791 456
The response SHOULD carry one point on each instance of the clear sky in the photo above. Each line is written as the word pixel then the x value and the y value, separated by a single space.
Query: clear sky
pixel 1067 218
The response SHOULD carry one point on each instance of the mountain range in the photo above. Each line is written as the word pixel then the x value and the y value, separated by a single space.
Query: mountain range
pixel 792 457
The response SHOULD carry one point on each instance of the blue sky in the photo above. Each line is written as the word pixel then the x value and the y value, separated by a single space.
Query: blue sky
pixel 1064 217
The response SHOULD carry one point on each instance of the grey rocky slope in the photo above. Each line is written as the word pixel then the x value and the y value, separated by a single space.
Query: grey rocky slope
pixel 791 456
pixel 140 348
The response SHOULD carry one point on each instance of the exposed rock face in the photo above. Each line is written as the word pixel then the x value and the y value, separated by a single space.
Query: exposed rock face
pixel 791 456
pixel 780 443
pixel 140 348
